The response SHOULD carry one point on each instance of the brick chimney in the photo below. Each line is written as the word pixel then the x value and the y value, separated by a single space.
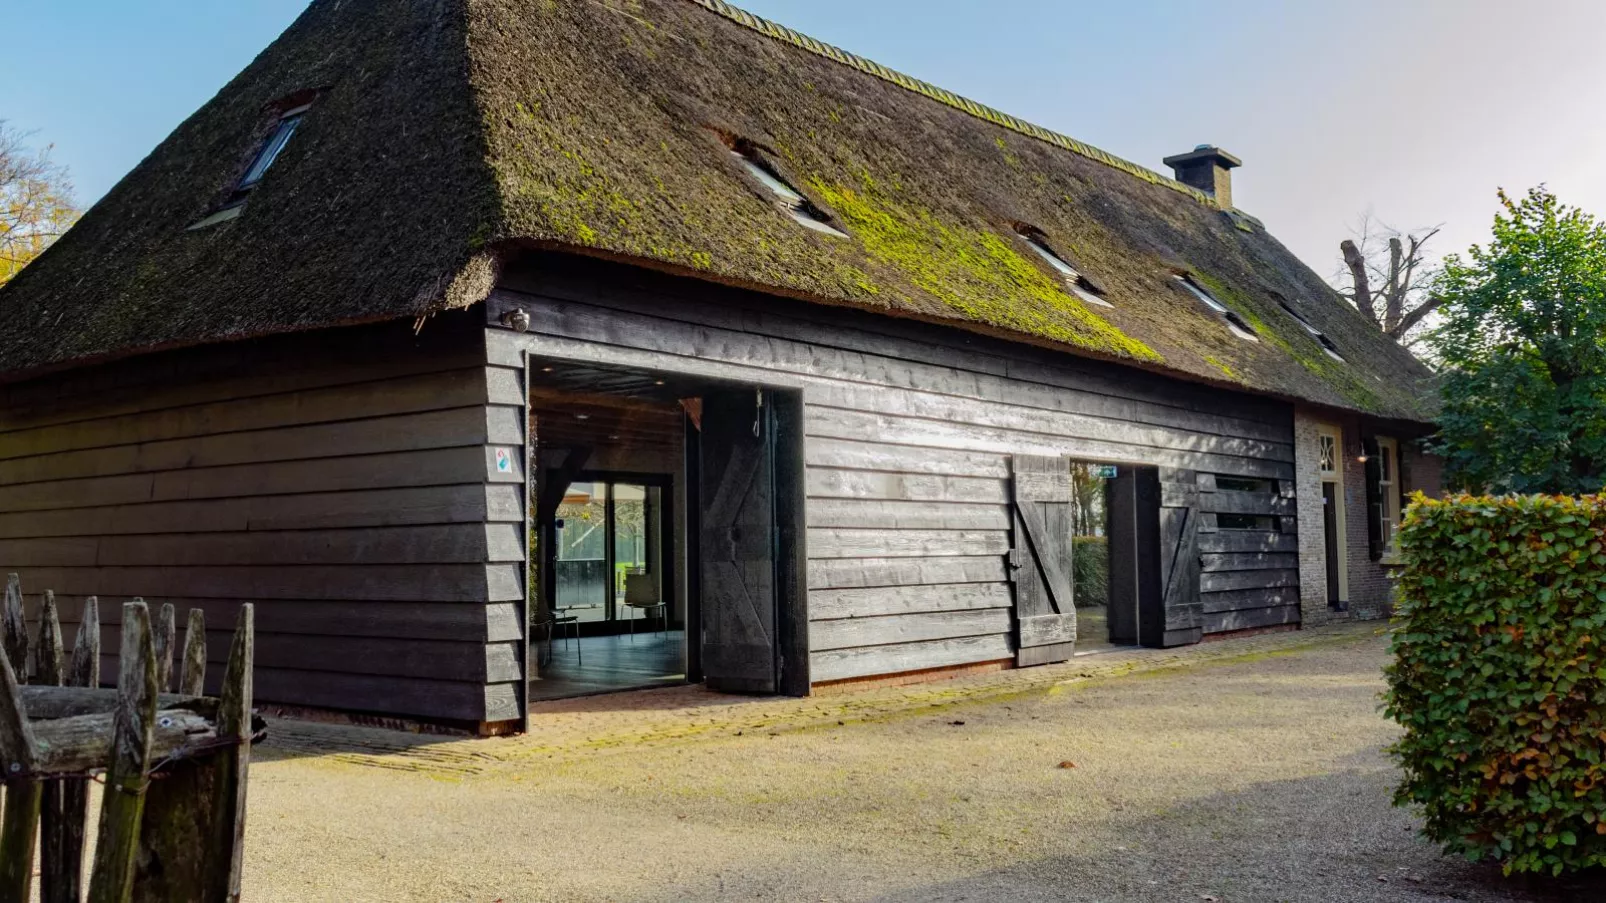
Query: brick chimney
pixel 1207 168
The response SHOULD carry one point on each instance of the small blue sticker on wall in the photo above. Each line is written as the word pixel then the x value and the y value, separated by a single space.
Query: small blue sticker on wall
pixel 1105 471
pixel 504 461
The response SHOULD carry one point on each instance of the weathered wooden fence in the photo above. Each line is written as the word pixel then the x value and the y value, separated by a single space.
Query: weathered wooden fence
pixel 174 766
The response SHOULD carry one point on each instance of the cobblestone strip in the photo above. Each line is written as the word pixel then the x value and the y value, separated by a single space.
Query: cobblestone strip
pixel 587 726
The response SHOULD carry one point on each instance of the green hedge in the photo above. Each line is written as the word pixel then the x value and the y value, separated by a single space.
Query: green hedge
pixel 1499 678
pixel 1090 570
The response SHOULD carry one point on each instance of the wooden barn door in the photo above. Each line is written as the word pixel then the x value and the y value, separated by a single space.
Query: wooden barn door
pixel 1040 562
pixel 737 544
pixel 1180 524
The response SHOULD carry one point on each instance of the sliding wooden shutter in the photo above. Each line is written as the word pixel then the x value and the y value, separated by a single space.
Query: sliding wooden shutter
pixel 1040 562
pixel 737 576
pixel 1181 521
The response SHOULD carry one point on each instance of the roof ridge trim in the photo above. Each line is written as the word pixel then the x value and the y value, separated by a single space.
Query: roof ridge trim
pixel 944 96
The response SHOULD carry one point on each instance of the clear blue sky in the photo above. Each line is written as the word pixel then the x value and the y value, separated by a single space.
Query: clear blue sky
pixel 1415 109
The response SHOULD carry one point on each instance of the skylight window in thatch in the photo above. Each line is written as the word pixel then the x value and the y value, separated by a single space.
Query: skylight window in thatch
pixel 788 198
pixel 1079 285
pixel 1235 323
pixel 271 150
pixel 1320 337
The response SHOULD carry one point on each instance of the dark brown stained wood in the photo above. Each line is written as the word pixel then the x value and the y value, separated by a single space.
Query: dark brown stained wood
pixel 1250 619
pixel 850 633
pixel 135 721
pixel 472 503
pixel 838 423
pixel 417 620
pixel 884 353
pixel 386 583
pixel 900 515
pixel 841 664
pixel 412 657
pixel 1040 560
pixel 826 483
pixel 1248 541
pixel 828 604
pixel 164 635
pixel 738 544
pixel 839 543
pixel 375 545
pixel 240 370
pixel 844 573
pixel 382 694
pixel 848 455
pixel 388 471
pixel 1238 599
pixel 1215 583
pixel 192 678
pixel 403 395
pixel 1248 561
pixel 450 428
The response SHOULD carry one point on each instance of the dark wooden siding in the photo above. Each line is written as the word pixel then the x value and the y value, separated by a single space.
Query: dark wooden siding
pixel 342 481
pixel 908 430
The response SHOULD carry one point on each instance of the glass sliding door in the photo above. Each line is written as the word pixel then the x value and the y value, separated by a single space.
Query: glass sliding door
pixel 581 568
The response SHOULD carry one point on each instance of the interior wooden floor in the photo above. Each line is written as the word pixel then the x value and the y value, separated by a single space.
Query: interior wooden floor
pixel 606 664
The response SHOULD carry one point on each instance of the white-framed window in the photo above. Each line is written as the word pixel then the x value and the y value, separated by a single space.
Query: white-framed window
pixel 1388 487
pixel 1335 536
pixel 1329 452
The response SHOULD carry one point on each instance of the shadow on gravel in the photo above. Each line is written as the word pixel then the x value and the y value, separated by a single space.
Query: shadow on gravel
pixel 1326 839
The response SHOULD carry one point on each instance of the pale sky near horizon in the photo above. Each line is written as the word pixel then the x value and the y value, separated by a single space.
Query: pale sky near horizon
pixel 1415 110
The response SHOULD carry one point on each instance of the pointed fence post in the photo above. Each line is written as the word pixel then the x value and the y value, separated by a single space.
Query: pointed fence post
pixel 164 633
pixel 20 821
pixel 192 679
pixel 14 629
pixel 194 824
pixel 68 864
pixel 56 885
pixel 126 779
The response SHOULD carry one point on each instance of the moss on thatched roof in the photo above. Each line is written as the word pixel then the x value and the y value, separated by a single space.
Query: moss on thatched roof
pixel 452 132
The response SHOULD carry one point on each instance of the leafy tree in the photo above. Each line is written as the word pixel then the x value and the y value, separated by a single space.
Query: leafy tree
pixel 1523 350
pixel 36 204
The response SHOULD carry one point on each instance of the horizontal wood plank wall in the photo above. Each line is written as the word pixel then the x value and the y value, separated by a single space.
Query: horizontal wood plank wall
pixel 908 431
pixel 343 481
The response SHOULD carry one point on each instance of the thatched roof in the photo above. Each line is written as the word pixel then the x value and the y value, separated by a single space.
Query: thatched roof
pixel 448 134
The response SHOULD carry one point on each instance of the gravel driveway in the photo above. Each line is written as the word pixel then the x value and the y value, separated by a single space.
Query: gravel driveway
pixel 1247 770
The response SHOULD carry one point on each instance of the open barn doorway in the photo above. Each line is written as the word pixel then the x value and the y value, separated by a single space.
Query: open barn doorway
pixel 664 535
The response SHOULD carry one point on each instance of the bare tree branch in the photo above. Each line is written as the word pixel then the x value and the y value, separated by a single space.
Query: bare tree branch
pixel 36 204
pixel 1389 288
pixel 1363 288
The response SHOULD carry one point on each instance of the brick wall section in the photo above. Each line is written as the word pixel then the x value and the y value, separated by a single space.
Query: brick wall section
pixel 1370 587
pixel 1308 499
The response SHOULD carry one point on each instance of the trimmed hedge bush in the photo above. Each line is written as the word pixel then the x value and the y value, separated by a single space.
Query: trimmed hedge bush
pixel 1090 570
pixel 1499 678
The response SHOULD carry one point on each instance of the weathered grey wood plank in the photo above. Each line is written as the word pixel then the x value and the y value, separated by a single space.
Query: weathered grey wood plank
pixel 849 455
pixel 1231 580
pixel 192 679
pixel 842 573
pixel 829 604
pixel 1249 619
pixel 164 636
pixel 1248 541
pixel 843 664
pixel 14 628
pixel 112 877
pixel 1248 561
pixel 497 622
pixel 849 633
pixel 862 484
pixel 428 658
pixel 828 542
pixel 1238 599
pixel 904 515
pixel 19 816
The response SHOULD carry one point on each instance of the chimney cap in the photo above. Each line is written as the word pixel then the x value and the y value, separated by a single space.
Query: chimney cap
pixel 1204 153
